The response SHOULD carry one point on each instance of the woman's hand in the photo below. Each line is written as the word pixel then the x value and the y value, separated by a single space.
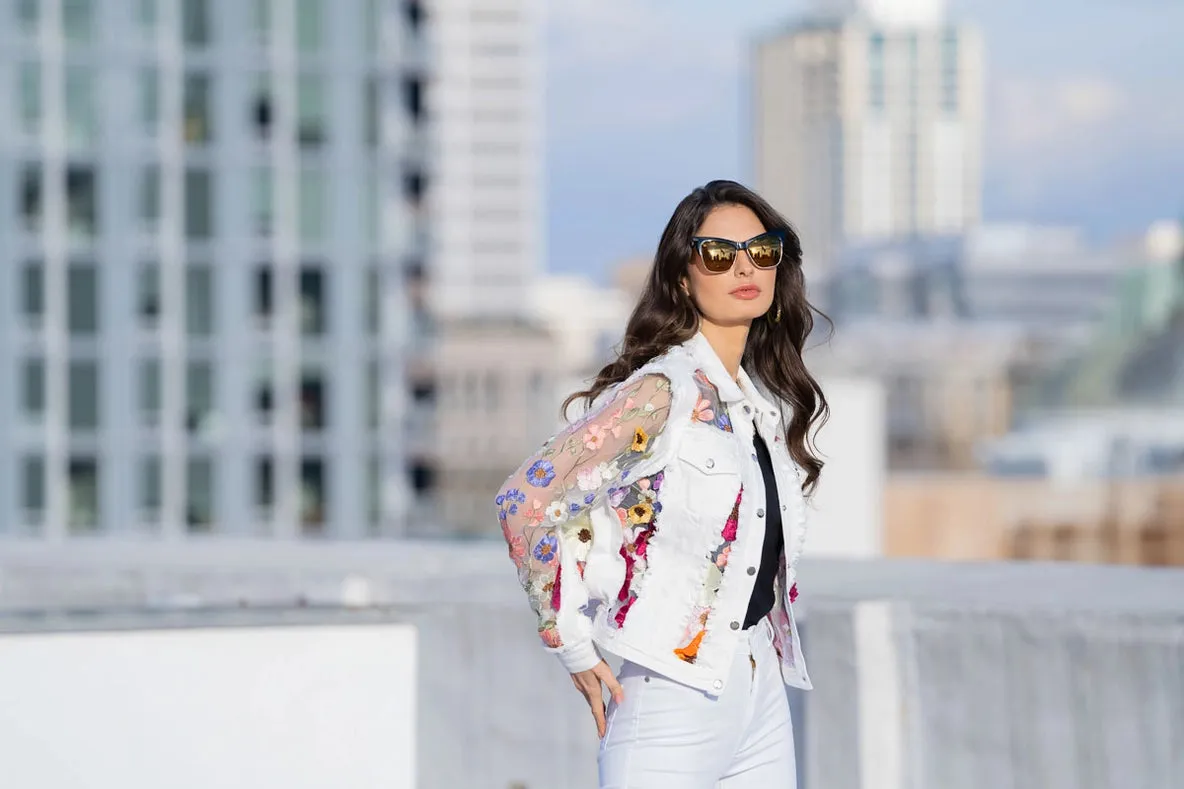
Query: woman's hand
pixel 588 683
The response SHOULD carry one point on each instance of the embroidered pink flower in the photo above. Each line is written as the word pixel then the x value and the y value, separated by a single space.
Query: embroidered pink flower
pixel 551 637
pixel 721 561
pixel 534 513
pixel 793 593
pixel 594 438
pixel 517 549
pixel 703 412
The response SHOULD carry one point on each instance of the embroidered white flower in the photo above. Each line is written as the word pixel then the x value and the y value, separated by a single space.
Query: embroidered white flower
pixel 608 471
pixel 557 511
pixel 589 478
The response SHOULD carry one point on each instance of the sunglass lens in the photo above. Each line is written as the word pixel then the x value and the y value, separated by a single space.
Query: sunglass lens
pixel 717 255
pixel 766 251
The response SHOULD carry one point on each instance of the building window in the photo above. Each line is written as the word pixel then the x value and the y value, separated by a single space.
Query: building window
pixel 147 15
pixel 313 408
pixel 949 71
pixel 413 104
pixel 81 120
pixel 373 395
pixel 313 301
pixel 83 395
pixel 151 489
pixel 199 495
pixel 195 23
pixel 261 20
pixel 149 88
pixel 264 486
pixel 77 20
pixel 82 299
pixel 199 395
pixel 30 77
pixel 264 103
pixel 263 304
pixel 82 201
pixel 148 295
pixel 314 205
pixel 199 118
pixel 310 25
pixel 312 118
pixel 199 301
pixel 29 15
pixel 263 200
pixel 264 394
pixel 33 295
pixel 83 485
pixel 149 200
pixel 875 77
pixel 33 388
pixel 150 392
pixel 313 499
pixel 199 210
pixel 33 489
pixel 31 203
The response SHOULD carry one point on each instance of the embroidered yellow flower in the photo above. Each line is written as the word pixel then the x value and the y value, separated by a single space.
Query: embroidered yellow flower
pixel 641 512
pixel 641 440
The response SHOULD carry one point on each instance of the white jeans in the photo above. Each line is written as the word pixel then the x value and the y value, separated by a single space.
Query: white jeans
pixel 666 735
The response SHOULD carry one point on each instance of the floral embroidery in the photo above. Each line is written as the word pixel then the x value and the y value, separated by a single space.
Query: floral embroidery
pixel 541 474
pixel 793 593
pixel 571 473
pixel 709 408
pixel 688 650
pixel 637 508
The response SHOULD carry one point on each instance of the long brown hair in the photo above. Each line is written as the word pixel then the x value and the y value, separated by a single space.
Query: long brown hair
pixel 665 317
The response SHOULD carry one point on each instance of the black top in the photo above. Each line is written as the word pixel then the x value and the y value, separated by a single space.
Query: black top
pixel 761 601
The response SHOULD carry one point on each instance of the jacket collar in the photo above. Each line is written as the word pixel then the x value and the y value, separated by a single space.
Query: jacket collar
pixel 729 390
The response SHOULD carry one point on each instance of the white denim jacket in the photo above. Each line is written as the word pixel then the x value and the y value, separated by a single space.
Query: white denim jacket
pixel 639 528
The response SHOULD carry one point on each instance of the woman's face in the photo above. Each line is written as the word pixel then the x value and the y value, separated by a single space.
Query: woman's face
pixel 743 292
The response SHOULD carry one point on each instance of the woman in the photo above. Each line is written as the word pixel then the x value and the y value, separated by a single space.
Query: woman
pixel 665 525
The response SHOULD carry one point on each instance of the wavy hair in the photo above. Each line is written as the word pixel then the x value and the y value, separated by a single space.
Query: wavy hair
pixel 665 317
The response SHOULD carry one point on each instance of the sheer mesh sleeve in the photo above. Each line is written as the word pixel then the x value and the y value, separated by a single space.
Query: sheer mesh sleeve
pixel 544 507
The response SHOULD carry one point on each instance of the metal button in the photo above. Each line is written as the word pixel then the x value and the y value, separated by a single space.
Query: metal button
pixel 752 571
pixel 719 683
pixel 747 409
pixel 760 513
pixel 754 456
pixel 647 679
pixel 783 506
pixel 710 463
pixel 735 625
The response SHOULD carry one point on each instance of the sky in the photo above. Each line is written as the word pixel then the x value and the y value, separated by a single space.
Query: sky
pixel 647 99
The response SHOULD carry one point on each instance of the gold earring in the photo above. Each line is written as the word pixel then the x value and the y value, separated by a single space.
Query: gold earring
pixel 777 315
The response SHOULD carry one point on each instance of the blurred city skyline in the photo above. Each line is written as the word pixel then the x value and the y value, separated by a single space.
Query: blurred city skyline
pixel 645 101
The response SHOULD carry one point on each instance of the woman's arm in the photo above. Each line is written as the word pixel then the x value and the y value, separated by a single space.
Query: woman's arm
pixel 543 508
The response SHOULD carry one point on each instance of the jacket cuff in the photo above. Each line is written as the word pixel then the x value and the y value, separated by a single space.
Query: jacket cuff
pixel 579 657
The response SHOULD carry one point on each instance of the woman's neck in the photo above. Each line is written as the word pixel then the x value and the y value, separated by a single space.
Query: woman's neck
pixel 728 343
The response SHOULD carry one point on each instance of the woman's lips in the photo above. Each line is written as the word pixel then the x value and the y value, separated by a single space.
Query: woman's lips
pixel 747 292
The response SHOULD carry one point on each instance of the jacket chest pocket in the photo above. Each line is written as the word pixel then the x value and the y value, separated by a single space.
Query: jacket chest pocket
pixel 710 472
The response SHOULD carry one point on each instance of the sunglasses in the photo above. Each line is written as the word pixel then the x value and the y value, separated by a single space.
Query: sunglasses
pixel 718 254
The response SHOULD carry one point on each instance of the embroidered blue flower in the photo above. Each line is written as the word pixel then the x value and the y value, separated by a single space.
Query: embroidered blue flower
pixel 547 549
pixel 540 474
pixel 589 498
pixel 723 422
pixel 574 507
pixel 513 494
